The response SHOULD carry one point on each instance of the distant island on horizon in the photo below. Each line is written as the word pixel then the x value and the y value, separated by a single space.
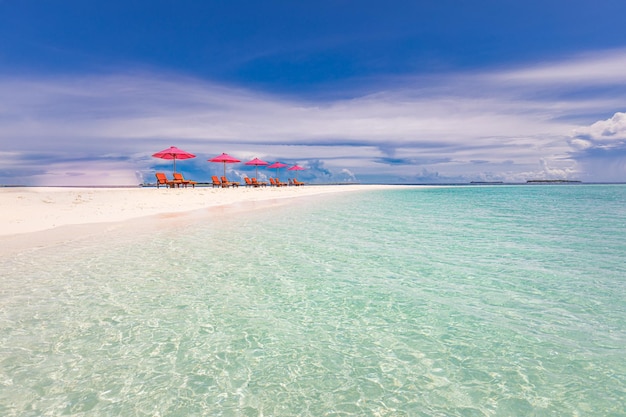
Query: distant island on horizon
pixel 487 182
pixel 561 181
pixel 551 181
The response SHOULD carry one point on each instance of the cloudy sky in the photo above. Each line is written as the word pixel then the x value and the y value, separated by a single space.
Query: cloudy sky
pixel 411 91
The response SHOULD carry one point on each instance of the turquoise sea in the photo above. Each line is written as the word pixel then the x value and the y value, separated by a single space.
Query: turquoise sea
pixel 442 301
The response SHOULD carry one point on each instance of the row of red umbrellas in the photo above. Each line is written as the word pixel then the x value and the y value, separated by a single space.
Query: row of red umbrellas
pixel 175 153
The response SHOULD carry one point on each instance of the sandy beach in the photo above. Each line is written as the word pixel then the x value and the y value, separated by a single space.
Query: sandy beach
pixel 32 216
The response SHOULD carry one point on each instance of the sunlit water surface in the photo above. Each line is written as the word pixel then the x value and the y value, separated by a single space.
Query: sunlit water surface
pixel 460 301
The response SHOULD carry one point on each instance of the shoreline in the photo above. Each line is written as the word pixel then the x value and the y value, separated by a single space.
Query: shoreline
pixel 37 217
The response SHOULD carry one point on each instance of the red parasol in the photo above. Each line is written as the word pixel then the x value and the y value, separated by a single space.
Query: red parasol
pixel 173 153
pixel 277 166
pixel 226 159
pixel 256 162
pixel 296 168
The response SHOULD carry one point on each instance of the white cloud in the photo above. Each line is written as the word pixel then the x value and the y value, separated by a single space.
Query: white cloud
pixel 347 175
pixel 600 148
pixel 605 133
pixel 109 126
pixel 578 143
pixel 597 68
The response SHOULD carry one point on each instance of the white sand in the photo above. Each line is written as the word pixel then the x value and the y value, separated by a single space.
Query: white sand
pixel 26 210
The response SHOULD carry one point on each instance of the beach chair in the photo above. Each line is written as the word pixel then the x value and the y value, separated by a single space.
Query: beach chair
pixel 226 183
pixel 178 177
pixel 258 184
pixel 278 183
pixel 162 180
pixel 216 181
pixel 296 182
pixel 249 182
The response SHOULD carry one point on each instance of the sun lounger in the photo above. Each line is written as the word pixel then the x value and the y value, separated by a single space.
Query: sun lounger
pixel 296 182
pixel 257 183
pixel 178 177
pixel 226 183
pixel 216 181
pixel 276 182
pixel 162 180
pixel 249 182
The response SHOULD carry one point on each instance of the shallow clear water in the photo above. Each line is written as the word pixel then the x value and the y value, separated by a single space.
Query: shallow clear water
pixel 459 301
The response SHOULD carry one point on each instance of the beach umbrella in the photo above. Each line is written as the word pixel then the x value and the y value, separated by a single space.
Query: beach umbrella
pixel 226 159
pixel 173 153
pixel 277 166
pixel 256 162
pixel 296 168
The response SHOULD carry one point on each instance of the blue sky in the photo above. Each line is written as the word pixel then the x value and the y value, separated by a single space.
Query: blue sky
pixel 369 91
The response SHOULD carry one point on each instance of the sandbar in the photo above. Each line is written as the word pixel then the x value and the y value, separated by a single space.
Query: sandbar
pixel 31 216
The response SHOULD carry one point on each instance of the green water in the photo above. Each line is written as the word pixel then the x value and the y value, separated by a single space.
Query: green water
pixel 458 301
